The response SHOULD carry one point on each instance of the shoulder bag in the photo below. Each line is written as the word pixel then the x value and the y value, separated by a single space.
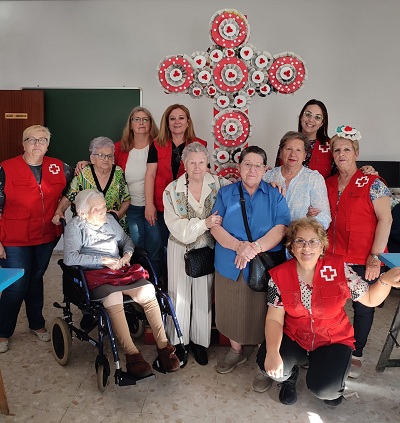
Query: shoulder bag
pixel 200 261
pixel 261 263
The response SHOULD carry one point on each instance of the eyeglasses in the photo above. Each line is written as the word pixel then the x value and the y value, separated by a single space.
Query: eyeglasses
pixel 301 243
pixel 33 141
pixel 258 167
pixel 309 115
pixel 177 154
pixel 140 120
pixel 104 157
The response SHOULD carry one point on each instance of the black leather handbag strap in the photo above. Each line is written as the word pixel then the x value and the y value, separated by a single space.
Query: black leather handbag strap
pixel 244 214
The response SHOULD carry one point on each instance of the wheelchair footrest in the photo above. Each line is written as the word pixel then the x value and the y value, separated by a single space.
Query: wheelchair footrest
pixel 125 379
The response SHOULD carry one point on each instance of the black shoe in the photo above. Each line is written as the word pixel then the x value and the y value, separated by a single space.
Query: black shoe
pixel 200 353
pixel 334 402
pixel 288 394
pixel 181 353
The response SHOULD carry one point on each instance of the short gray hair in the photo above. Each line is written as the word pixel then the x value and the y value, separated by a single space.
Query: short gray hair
pixel 83 199
pixel 194 147
pixel 101 142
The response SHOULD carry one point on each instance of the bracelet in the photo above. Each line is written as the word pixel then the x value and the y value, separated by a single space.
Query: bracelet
pixel 258 245
pixel 381 281
pixel 374 256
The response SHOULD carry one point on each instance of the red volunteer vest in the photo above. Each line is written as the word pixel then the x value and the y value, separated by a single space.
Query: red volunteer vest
pixel 352 231
pixel 328 322
pixel 164 171
pixel 321 159
pixel 121 157
pixel 29 207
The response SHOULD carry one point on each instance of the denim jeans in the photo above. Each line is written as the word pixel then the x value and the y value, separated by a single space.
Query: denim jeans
pixel 34 260
pixel 144 235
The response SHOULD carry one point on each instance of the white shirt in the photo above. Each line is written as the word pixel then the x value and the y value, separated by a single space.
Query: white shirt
pixel 306 189
pixel 135 171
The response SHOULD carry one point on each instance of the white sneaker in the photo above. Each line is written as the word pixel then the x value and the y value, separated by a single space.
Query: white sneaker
pixel 356 367
pixel 43 336
pixel 4 346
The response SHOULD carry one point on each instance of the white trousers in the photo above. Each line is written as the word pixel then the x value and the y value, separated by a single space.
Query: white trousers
pixel 192 299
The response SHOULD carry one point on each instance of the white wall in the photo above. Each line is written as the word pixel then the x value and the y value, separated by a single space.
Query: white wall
pixel 351 49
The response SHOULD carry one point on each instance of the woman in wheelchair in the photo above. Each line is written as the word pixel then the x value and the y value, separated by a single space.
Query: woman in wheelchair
pixel 93 240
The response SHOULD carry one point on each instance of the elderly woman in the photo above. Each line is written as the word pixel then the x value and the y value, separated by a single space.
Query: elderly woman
pixel 361 220
pixel 187 211
pixel 306 321
pixel 305 188
pixel 240 312
pixel 164 163
pixel 131 155
pixel 102 175
pixel 31 186
pixel 93 239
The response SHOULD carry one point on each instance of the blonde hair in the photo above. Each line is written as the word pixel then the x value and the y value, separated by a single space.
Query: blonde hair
pixel 354 143
pixel 306 223
pixel 35 128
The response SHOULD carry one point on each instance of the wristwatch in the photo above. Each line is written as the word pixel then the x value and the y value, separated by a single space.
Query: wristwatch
pixel 374 256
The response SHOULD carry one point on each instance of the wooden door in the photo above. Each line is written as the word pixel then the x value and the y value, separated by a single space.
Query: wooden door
pixel 18 110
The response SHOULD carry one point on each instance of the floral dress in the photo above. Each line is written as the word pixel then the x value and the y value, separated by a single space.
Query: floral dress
pixel 115 192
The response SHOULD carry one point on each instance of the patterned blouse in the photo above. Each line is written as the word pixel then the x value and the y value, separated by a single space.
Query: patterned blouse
pixel 358 287
pixel 115 192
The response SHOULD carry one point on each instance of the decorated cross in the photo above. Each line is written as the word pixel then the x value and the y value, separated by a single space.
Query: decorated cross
pixel 231 72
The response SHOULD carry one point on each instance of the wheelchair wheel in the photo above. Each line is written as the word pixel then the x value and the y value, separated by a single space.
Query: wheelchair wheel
pixel 61 340
pixel 136 327
pixel 103 372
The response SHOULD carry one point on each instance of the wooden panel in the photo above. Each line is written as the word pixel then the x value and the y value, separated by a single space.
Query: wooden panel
pixel 13 105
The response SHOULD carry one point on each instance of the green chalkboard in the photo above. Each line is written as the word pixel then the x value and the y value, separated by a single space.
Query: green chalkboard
pixel 76 116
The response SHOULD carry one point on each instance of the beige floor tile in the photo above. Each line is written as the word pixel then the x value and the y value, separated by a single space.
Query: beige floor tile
pixel 41 391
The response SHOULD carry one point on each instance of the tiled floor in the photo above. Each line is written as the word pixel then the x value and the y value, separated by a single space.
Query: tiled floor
pixel 40 390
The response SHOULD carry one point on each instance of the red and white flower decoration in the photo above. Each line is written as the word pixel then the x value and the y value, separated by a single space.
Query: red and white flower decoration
pixel 346 131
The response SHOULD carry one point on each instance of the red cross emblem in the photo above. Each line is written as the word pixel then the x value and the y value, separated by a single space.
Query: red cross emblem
pixel 328 273
pixel 324 148
pixel 54 169
pixel 360 182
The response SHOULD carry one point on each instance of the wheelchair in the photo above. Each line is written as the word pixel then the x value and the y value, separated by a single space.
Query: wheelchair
pixel 63 329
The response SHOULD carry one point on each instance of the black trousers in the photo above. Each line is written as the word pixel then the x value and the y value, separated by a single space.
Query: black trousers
pixel 328 366
pixel 363 315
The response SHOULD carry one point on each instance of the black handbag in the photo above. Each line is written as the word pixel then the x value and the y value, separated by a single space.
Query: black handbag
pixel 261 263
pixel 199 261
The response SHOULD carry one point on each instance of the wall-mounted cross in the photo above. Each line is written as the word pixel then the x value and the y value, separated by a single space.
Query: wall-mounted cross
pixel 231 72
